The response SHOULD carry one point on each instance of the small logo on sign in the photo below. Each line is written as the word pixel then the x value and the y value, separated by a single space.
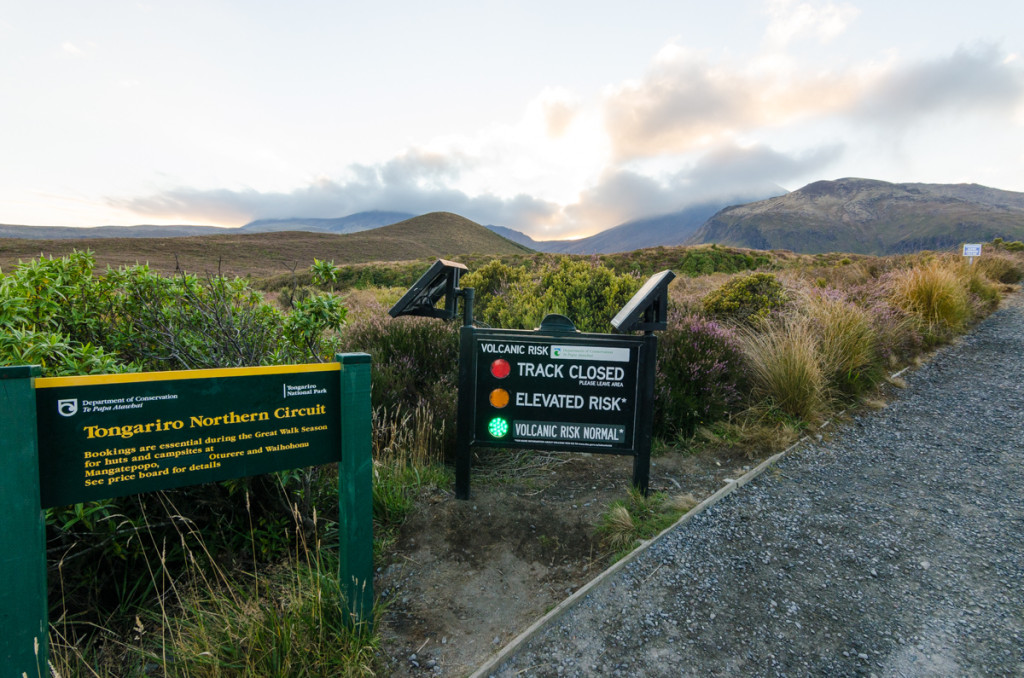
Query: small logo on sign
pixel 556 351
pixel 68 408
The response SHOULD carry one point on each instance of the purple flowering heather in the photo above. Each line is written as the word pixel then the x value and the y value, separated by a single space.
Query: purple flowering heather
pixel 699 375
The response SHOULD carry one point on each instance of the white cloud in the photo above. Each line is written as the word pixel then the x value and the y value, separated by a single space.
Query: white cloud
pixel 970 80
pixel 692 128
pixel 72 49
pixel 791 19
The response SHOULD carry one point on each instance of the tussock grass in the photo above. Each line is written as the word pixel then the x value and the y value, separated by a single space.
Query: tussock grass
pixel 1000 268
pixel 785 366
pixel 936 294
pixel 638 517
pixel 846 343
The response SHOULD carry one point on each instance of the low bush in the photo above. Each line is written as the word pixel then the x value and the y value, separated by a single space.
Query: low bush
pixel 746 299
pixel 414 373
pixel 699 376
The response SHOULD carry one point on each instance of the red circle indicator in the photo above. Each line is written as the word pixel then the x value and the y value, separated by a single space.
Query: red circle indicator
pixel 500 368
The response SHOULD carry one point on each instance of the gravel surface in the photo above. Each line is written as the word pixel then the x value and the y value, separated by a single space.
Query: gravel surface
pixel 894 549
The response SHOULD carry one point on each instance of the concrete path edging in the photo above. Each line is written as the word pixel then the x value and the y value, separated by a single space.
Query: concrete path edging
pixel 516 643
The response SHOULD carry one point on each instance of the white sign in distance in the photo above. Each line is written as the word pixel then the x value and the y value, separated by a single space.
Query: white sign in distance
pixel 972 250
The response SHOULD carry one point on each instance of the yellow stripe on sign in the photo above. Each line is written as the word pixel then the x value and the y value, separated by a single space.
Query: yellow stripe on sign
pixel 136 377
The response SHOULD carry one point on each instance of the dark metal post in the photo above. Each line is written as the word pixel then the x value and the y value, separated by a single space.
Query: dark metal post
pixel 24 622
pixel 467 306
pixel 467 395
pixel 464 424
pixel 645 422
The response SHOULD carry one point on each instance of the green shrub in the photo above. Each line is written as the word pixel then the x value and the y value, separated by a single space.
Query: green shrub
pixel 588 295
pixel 746 299
pixel 514 298
pixel 496 289
pixel 57 313
pixel 699 376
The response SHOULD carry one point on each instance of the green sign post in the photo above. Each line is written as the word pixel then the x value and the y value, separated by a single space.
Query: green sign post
pixel 23 615
pixel 77 439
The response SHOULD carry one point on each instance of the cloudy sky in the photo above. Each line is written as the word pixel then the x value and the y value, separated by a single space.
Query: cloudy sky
pixel 556 117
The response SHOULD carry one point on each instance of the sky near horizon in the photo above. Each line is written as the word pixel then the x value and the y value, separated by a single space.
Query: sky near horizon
pixel 558 119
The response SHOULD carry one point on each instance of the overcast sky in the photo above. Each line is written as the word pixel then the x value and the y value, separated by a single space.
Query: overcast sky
pixel 558 118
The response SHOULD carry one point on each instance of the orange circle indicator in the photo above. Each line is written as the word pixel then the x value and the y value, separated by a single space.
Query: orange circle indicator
pixel 500 368
pixel 499 397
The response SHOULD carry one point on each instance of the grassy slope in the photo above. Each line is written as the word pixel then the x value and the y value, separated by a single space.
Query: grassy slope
pixel 440 234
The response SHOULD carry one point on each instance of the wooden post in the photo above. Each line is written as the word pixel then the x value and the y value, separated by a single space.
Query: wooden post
pixel 355 487
pixel 24 622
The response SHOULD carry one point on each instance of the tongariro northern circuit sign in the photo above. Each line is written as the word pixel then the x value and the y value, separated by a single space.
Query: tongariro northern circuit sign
pixel 66 440
pixel 119 434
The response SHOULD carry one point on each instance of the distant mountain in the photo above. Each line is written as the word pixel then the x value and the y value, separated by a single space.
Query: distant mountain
pixel 436 235
pixel 142 231
pixel 353 223
pixel 665 229
pixel 866 216
pixel 518 237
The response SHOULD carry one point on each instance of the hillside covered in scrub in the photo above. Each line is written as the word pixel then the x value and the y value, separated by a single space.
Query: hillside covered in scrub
pixel 760 346
pixel 849 215
pixel 869 217
pixel 439 234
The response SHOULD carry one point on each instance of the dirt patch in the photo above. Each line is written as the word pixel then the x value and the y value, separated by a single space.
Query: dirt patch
pixel 467 576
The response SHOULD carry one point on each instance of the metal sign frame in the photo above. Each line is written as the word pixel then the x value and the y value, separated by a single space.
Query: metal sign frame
pixel 596 395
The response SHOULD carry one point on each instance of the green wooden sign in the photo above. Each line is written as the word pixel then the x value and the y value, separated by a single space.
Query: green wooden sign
pixel 114 435
pixel 66 440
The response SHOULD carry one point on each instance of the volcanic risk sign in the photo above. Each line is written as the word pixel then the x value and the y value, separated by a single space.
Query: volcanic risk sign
pixel 553 389
pixel 559 392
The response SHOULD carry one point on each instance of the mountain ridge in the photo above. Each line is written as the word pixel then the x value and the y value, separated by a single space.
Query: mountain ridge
pixel 869 216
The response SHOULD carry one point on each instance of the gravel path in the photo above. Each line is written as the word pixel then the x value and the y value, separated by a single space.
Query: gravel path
pixel 895 549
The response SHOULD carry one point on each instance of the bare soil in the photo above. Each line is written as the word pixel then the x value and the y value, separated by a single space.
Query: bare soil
pixel 467 576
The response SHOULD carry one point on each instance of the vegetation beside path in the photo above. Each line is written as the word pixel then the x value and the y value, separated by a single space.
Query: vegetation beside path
pixel 232 578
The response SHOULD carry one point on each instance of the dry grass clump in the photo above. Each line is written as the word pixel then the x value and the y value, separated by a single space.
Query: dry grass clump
pixel 619 528
pixel 785 366
pixel 936 294
pixel 1000 268
pixel 846 342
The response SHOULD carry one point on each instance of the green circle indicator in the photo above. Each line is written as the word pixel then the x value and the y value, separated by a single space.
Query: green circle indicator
pixel 498 427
